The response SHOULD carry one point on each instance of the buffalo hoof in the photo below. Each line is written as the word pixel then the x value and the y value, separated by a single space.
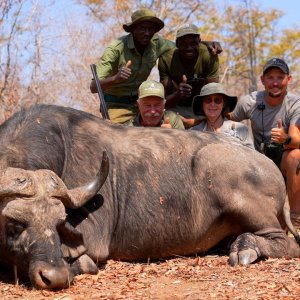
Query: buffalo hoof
pixel 84 265
pixel 244 250
pixel 244 257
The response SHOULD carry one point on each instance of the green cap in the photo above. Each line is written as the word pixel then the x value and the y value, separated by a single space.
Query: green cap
pixel 209 89
pixel 143 15
pixel 186 29
pixel 151 88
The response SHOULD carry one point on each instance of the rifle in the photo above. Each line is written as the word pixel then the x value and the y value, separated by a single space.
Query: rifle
pixel 103 108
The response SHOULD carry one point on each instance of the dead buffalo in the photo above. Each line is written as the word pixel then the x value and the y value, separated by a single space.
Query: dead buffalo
pixel 166 193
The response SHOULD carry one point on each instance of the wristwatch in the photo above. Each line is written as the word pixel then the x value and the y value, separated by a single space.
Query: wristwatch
pixel 287 141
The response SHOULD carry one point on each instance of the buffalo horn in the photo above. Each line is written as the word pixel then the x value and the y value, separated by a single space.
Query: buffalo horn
pixel 81 195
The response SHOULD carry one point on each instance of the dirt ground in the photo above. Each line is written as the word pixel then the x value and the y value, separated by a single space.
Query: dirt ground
pixel 208 277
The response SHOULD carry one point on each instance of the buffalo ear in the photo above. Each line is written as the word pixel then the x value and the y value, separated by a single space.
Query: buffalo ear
pixel 72 244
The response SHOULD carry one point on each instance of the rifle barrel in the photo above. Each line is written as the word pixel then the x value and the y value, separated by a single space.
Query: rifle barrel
pixel 103 108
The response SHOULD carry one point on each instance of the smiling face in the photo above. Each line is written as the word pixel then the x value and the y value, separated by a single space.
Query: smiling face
pixel 151 110
pixel 188 47
pixel 213 106
pixel 275 82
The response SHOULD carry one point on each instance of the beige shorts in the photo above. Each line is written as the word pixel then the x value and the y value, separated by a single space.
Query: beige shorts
pixel 122 114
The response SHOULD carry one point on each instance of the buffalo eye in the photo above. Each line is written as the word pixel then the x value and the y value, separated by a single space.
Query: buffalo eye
pixel 14 229
pixel 21 182
pixel 14 241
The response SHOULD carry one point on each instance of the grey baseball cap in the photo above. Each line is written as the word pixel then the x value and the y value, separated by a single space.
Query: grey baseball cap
pixel 209 89
pixel 276 62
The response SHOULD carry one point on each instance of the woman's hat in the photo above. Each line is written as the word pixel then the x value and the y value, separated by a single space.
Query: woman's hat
pixel 209 89
pixel 143 15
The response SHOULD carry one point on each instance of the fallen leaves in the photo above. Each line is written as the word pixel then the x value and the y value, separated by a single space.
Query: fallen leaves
pixel 208 277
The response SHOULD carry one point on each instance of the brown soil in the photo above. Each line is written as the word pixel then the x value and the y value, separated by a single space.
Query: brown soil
pixel 208 277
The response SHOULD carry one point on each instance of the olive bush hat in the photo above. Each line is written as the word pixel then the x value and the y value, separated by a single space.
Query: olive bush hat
pixel 142 15
pixel 186 29
pixel 209 89
pixel 151 88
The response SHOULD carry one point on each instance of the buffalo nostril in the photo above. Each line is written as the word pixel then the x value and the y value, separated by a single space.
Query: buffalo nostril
pixel 45 279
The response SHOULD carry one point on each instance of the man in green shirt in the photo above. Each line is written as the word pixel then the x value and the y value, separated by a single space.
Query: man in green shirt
pixel 185 69
pixel 151 104
pixel 128 61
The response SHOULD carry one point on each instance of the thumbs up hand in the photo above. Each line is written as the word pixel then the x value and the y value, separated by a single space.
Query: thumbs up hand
pixel 166 123
pixel 124 72
pixel 278 135
pixel 184 89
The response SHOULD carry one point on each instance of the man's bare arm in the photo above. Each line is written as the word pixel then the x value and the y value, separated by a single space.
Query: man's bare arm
pixel 294 133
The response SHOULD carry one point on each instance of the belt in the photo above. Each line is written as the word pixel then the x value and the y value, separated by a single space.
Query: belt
pixel 122 100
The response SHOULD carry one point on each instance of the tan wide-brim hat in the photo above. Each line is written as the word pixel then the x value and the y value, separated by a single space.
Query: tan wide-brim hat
pixel 210 89
pixel 143 15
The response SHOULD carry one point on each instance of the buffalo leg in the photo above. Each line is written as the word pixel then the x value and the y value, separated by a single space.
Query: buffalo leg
pixel 266 243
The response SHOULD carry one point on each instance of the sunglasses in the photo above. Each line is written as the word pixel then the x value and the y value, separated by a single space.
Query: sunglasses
pixel 215 100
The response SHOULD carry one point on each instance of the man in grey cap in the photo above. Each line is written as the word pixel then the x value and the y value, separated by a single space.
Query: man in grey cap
pixel 128 61
pixel 184 70
pixel 275 121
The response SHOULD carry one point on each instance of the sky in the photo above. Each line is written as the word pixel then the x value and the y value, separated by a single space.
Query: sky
pixel 291 8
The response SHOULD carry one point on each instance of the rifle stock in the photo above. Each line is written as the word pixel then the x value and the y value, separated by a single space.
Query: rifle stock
pixel 103 108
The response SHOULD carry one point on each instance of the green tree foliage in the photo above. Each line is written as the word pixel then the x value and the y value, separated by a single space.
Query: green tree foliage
pixel 115 13
pixel 288 47
pixel 248 34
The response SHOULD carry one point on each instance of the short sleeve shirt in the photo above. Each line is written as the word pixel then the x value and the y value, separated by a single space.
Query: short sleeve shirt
pixel 119 52
pixel 206 67
pixel 233 129
pixel 264 117
pixel 175 120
